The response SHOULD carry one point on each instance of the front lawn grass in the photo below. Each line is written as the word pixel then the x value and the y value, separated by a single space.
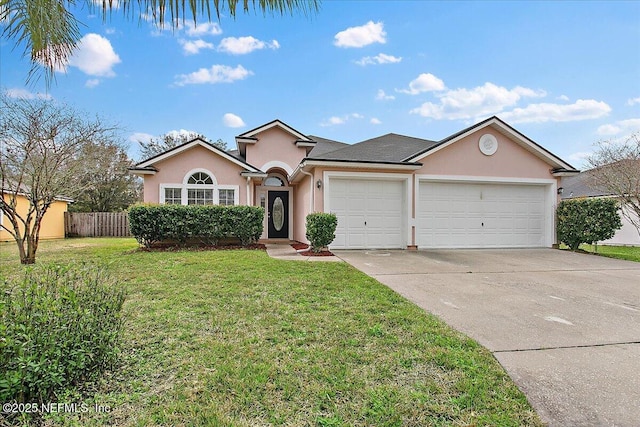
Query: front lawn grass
pixel 235 338
pixel 630 253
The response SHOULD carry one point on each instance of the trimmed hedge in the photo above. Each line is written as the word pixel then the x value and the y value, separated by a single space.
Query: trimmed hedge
pixel 321 228
pixel 208 224
pixel 587 221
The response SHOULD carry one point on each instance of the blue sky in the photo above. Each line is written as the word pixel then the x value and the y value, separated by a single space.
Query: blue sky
pixel 566 74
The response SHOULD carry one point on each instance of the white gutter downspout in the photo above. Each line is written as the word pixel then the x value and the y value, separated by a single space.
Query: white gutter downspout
pixel 312 198
pixel 249 199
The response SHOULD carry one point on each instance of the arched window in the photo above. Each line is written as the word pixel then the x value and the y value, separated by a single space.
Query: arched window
pixel 200 189
pixel 274 180
pixel 200 178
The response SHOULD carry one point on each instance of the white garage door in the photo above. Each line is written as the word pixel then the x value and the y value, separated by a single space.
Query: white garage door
pixel 371 213
pixel 465 215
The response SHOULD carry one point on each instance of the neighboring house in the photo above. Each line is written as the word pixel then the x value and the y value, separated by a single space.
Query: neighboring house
pixel 52 226
pixel 486 186
pixel 582 185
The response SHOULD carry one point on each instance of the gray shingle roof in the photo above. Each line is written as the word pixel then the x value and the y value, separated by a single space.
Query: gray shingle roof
pixel 324 146
pixel 386 148
pixel 580 185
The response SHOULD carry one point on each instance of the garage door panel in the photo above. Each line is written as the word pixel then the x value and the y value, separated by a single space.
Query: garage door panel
pixel 371 213
pixel 474 215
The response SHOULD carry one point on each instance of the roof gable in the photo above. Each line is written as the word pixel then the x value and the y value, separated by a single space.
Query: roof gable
pixel 250 134
pixel 148 164
pixel 506 130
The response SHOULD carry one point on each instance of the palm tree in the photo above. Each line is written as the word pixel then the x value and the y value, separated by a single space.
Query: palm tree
pixel 49 31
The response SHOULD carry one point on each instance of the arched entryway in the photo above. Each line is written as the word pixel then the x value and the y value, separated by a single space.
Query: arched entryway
pixel 275 196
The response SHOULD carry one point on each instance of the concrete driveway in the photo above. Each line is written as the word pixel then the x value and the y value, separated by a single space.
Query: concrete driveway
pixel 565 326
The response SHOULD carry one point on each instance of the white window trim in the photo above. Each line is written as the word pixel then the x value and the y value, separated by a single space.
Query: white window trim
pixel 236 193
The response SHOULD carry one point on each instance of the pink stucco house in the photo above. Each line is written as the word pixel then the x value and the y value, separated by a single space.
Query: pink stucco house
pixel 486 186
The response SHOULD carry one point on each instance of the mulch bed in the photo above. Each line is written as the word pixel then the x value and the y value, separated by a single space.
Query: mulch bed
pixel 166 247
pixel 303 249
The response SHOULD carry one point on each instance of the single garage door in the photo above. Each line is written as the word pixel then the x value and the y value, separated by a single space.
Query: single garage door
pixel 474 215
pixel 371 213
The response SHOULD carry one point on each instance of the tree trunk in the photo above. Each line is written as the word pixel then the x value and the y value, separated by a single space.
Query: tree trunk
pixel 23 253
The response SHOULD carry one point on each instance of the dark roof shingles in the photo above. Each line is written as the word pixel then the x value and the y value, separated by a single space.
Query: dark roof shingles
pixel 386 148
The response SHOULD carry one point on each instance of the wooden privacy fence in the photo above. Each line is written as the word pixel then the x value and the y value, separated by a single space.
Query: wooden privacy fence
pixel 96 224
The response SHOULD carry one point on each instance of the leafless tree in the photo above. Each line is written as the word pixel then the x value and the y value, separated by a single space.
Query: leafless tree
pixel 616 170
pixel 40 142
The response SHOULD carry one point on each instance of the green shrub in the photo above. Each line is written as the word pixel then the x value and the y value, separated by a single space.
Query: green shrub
pixel 148 223
pixel 321 228
pixel 151 224
pixel 245 223
pixel 59 326
pixel 587 221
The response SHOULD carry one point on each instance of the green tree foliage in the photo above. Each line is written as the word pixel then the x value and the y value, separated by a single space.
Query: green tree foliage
pixel 49 29
pixel 321 228
pixel 587 221
pixel 165 142
pixel 104 176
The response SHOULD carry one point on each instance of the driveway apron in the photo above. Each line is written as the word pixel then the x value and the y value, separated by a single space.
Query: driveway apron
pixel 565 326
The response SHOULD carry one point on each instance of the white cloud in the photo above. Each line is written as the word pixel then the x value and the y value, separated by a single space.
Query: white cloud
pixel 230 120
pixel 633 101
pixel 425 82
pixel 340 120
pixel 563 98
pixel 110 31
pixel 95 56
pixel 480 101
pixel 381 96
pixel 629 125
pixel 213 75
pixel 91 83
pixel 244 45
pixel 140 136
pixel 381 58
pixel 202 29
pixel 375 121
pixel 26 94
pixel 580 156
pixel 182 133
pixel 193 47
pixel 582 109
pixel 363 35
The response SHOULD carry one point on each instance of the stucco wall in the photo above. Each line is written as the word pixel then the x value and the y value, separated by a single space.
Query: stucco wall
pixel 52 224
pixel 302 200
pixel 275 145
pixel 627 235
pixel 464 157
pixel 174 169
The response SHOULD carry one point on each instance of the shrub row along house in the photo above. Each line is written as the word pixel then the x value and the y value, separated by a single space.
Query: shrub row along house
pixel 483 187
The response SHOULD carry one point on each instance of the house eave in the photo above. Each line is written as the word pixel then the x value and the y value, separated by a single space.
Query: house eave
pixel 254 174
pixel 350 164
pixel 564 172
pixel 143 171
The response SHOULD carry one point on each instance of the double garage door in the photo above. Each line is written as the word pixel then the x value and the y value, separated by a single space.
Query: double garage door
pixel 373 214
pixel 479 215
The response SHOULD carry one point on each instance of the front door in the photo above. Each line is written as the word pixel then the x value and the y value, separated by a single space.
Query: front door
pixel 278 215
